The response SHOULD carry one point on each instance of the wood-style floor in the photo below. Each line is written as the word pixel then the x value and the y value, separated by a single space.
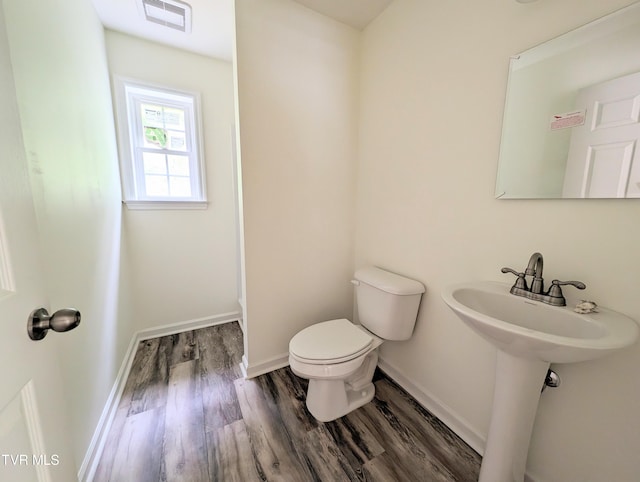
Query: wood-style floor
pixel 187 414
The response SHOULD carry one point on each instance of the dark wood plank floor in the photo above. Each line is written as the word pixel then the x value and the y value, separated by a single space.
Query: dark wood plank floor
pixel 187 414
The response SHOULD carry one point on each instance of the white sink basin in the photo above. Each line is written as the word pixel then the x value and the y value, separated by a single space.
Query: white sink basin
pixel 535 330
pixel 529 336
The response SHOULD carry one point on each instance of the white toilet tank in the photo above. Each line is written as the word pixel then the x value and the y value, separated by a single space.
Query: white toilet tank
pixel 387 303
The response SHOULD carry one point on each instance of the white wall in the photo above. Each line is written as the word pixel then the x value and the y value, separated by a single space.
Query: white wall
pixel 296 75
pixel 65 106
pixel 184 261
pixel 433 79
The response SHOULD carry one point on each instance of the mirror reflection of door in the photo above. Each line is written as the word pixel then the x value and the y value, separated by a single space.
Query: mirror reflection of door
pixel 604 154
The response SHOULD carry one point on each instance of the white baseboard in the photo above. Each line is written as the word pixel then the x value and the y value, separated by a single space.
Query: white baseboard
pixel 251 371
pixel 243 366
pixel 457 424
pixel 96 446
pixel 181 326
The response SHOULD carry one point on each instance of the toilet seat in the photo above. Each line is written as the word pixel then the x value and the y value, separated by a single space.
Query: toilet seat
pixel 330 342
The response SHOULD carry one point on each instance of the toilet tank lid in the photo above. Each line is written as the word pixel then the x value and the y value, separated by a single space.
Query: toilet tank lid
pixel 389 282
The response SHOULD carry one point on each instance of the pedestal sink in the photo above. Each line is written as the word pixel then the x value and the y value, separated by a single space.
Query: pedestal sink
pixel 529 336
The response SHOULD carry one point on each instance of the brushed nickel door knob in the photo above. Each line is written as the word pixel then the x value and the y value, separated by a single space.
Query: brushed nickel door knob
pixel 40 322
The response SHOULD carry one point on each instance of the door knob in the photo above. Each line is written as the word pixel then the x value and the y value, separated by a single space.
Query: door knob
pixel 40 322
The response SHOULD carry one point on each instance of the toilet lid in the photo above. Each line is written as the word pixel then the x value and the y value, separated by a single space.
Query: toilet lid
pixel 330 340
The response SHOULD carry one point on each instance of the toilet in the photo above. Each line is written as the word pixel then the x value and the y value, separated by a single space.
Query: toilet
pixel 339 357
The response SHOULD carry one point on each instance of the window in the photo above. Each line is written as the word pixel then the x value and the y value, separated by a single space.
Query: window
pixel 160 154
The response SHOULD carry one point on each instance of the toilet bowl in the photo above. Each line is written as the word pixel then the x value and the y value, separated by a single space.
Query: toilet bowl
pixel 339 357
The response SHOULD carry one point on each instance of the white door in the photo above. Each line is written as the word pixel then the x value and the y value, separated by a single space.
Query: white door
pixel 34 442
pixel 604 155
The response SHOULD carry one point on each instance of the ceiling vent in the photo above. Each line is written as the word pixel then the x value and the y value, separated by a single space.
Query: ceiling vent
pixel 170 13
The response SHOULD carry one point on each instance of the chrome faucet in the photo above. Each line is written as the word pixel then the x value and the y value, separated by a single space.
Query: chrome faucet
pixel 534 269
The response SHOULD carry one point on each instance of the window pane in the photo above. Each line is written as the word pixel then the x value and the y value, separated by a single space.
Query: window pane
pixel 154 137
pixel 154 163
pixel 156 185
pixel 180 186
pixel 151 115
pixel 174 119
pixel 177 141
pixel 179 165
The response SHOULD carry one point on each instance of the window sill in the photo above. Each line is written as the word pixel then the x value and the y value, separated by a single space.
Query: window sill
pixel 164 205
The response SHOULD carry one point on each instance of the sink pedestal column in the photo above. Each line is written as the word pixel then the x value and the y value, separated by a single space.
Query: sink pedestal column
pixel 515 402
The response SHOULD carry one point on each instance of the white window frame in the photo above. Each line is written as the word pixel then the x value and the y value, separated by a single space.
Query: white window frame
pixel 129 94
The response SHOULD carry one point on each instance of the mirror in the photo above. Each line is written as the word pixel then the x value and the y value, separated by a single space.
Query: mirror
pixel 571 123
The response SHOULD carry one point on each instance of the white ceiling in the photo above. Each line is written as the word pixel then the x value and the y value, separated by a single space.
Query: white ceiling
pixel 212 25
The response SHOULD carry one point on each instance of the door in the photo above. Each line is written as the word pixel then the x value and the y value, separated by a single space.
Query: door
pixel 34 441
pixel 604 154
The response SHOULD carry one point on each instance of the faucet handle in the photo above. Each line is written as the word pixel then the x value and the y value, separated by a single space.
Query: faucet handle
pixel 556 292
pixel 578 284
pixel 521 283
